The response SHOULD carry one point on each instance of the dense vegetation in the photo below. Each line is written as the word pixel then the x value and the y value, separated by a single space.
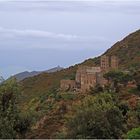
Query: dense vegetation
pixel 134 133
pixel 103 113
pixel 100 113
pixel 97 117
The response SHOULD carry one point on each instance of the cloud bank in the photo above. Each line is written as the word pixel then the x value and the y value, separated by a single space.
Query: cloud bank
pixel 45 39
pixel 13 33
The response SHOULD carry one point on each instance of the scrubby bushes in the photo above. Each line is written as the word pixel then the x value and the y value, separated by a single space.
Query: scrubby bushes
pixel 96 117
pixel 116 78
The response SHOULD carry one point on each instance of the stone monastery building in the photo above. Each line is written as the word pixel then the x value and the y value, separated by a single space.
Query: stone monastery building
pixel 87 77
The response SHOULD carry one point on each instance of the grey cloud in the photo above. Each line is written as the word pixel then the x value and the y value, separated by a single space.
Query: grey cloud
pixel 13 33
pixel 44 39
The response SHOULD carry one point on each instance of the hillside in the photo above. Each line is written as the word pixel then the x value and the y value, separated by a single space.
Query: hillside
pixel 41 84
pixel 127 50
pixel 40 96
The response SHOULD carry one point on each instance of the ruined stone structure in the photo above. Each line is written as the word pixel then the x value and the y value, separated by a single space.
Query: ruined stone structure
pixel 67 84
pixel 105 63
pixel 87 77
pixel 85 70
pixel 109 63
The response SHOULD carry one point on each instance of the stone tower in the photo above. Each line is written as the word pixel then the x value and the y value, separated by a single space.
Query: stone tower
pixel 114 62
pixel 80 71
pixel 86 77
pixel 105 63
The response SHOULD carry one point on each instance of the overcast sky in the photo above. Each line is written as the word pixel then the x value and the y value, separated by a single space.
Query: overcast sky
pixel 38 35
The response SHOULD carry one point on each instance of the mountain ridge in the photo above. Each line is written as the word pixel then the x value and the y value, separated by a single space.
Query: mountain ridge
pixel 26 74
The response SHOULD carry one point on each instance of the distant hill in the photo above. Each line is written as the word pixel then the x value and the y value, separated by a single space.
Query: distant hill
pixel 26 74
pixel 55 69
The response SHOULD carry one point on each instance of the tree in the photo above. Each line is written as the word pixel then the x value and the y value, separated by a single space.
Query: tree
pixel 123 106
pixel 138 110
pixel 23 125
pixel 137 79
pixel 133 134
pixel 12 124
pixel 96 117
pixel 96 89
pixel 8 109
pixel 125 78
pixel 116 77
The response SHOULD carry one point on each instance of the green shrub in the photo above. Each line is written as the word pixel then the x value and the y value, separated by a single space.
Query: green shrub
pixel 23 125
pixel 13 124
pixel 9 92
pixel 133 134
